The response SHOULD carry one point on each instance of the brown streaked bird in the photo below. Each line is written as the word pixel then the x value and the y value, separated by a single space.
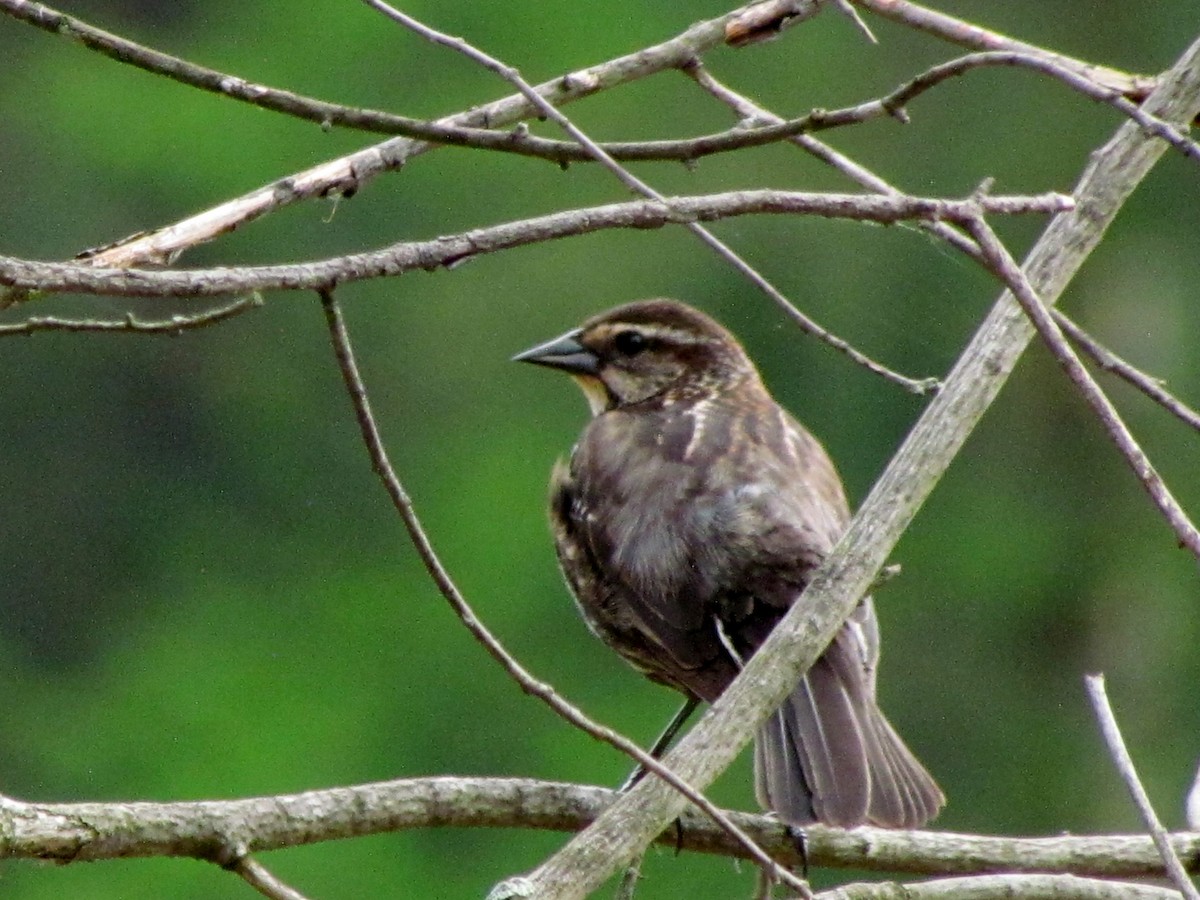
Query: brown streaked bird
pixel 692 513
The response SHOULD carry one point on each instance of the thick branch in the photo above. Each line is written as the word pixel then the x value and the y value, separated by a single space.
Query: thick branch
pixel 1001 887
pixel 216 829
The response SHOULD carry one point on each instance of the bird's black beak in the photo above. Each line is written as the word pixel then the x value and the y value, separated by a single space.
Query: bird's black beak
pixel 564 353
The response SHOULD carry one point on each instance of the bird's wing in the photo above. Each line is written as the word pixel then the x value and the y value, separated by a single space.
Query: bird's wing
pixel 650 628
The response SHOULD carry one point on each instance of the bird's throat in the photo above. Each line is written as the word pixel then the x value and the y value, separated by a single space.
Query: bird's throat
pixel 594 390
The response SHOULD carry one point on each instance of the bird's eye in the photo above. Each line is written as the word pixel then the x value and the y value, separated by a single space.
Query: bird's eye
pixel 630 343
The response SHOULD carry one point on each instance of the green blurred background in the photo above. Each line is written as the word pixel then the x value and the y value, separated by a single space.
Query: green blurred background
pixel 204 592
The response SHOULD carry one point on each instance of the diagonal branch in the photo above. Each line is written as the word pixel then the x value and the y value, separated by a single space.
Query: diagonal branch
pixel 1108 361
pixel 628 825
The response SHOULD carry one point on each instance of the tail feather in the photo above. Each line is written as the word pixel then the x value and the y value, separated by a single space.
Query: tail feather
pixel 779 781
pixel 828 755
pixel 907 797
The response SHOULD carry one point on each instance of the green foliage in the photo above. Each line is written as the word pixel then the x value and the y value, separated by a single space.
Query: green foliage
pixel 205 593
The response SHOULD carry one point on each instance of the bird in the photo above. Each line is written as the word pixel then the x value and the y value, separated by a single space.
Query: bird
pixel 689 517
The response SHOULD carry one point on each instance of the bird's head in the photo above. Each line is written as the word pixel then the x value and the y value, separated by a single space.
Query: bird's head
pixel 646 349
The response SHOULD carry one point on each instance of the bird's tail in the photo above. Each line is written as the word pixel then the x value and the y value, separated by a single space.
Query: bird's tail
pixel 828 755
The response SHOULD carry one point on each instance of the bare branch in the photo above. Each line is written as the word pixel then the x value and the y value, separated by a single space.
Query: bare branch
pixel 638 186
pixel 445 131
pixel 1041 63
pixel 351 173
pixel 328 115
pixel 1101 355
pixel 748 110
pixel 1001 887
pixel 1124 763
pixel 453 250
pixel 851 13
pixel 89 832
pixel 968 34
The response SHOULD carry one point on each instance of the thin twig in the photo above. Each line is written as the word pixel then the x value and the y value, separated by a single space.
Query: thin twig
pixel 1124 763
pixel 1110 362
pixel 262 880
pixel 846 9
pixel 133 325
pixel 1039 62
pixel 638 186
pixel 1006 268
pixel 348 366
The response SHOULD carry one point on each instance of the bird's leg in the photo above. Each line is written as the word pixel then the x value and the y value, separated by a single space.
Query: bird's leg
pixel 799 840
pixel 664 741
